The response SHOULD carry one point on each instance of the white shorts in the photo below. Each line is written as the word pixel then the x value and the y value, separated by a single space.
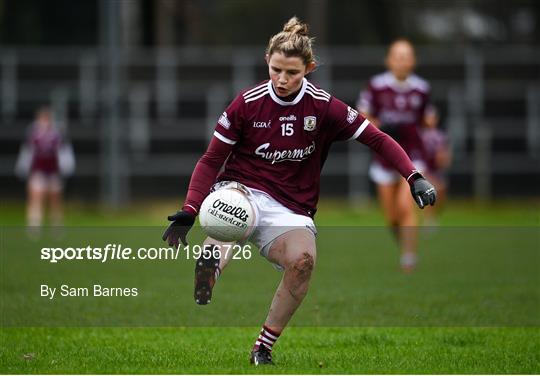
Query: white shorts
pixel 386 176
pixel 274 218
pixel 40 181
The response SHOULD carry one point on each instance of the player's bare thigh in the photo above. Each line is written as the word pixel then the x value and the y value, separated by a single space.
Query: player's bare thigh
pixel 293 246
pixel 405 204
pixel 387 196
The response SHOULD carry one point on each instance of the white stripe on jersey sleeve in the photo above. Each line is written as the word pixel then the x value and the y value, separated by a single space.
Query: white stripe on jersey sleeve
pixel 192 207
pixel 359 130
pixel 308 91
pixel 319 91
pixel 223 138
pixel 256 92
pixel 251 99
pixel 255 89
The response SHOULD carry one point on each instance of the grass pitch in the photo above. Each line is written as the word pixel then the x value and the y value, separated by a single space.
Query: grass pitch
pixel 471 314
pixel 301 350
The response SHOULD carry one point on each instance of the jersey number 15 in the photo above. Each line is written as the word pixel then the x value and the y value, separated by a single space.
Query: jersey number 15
pixel 287 129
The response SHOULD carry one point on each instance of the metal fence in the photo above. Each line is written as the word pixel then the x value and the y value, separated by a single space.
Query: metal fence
pixel 169 100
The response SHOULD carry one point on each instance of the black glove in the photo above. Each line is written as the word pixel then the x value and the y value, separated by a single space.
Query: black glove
pixel 423 191
pixel 179 227
pixel 391 129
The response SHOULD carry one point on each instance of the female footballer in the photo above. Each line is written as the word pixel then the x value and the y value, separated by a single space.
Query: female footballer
pixel 438 160
pixel 273 140
pixel 397 102
pixel 47 149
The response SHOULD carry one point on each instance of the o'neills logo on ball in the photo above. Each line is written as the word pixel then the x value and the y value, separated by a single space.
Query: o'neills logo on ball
pixel 239 215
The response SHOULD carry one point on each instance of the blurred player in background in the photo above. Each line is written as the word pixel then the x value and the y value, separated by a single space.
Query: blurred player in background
pixel 397 102
pixel 438 159
pixel 44 157
pixel 273 139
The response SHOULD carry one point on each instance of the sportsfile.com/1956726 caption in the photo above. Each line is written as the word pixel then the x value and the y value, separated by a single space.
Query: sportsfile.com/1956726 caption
pixel 117 252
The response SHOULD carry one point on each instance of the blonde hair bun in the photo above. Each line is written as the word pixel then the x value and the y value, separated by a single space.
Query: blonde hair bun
pixel 293 40
pixel 294 26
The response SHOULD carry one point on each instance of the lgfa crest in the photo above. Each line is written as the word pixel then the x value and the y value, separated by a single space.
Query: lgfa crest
pixel 310 122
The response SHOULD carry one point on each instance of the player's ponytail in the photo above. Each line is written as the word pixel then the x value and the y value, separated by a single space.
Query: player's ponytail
pixel 293 40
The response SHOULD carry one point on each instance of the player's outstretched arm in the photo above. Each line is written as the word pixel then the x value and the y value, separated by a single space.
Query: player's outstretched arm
pixel 422 191
pixel 203 177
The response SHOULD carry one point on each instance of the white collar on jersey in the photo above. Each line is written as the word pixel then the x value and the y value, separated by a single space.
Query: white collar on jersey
pixel 295 100
pixel 410 83
pixel 397 85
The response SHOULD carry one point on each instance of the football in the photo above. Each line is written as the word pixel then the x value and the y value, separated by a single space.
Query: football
pixel 228 215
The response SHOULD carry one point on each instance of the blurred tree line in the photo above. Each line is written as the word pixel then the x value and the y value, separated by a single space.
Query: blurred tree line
pixel 251 22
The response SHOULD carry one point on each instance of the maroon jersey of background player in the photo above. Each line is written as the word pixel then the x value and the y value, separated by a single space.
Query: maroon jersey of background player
pixel 45 143
pixel 402 104
pixel 434 140
pixel 279 145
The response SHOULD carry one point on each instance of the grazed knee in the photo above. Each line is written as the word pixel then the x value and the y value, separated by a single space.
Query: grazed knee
pixel 303 266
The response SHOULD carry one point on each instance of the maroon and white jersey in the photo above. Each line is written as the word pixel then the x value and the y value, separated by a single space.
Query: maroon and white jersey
pixel 434 140
pixel 401 105
pixel 45 145
pixel 280 146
